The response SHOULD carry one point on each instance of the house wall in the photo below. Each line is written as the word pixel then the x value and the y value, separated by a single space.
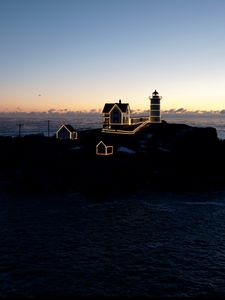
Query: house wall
pixel 73 135
pixel 116 116
pixel 110 150
pixel 106 120
pixel 63 134
pixel 101 149
pixel 125 119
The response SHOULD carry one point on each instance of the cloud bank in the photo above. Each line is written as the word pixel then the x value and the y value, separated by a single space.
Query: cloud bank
pixel 54 113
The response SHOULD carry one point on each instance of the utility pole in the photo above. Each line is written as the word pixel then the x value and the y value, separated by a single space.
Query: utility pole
pixel 48 127
pixel 20 126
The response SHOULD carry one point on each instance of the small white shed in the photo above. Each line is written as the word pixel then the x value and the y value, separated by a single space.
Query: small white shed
pixel 66 132
pixel 102 149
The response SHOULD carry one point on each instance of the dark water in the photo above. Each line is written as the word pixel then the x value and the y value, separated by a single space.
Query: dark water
pixel 39 124
pixel 36 124
pixel 144 244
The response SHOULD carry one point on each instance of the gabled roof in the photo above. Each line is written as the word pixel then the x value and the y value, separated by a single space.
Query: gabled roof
pixel 68 127
pixel 108 107
pixel 122 106
pixel 102 143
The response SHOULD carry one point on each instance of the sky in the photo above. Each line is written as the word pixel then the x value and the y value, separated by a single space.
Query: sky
pixel 79 54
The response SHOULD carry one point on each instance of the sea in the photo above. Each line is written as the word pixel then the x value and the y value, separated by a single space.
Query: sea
pixel 150 244
pixel 49 123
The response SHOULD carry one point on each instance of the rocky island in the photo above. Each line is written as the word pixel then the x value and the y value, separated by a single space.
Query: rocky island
pixel 163 156
pixel 126 154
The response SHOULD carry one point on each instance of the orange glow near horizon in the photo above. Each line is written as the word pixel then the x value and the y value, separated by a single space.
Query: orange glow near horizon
pixel 40 101
pixel 78 55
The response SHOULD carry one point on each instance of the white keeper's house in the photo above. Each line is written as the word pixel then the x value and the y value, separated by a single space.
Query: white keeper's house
pixel 116 114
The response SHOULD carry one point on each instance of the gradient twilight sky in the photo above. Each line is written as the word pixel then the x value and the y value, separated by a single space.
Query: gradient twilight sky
pixel 79 54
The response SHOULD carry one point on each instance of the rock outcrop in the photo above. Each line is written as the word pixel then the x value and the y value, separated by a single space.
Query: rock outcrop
pixel 159 157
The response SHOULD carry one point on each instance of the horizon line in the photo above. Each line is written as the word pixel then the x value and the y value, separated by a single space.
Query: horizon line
pixel 99 111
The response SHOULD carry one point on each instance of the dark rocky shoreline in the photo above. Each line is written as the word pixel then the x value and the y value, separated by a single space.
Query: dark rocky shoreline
pixel 166 157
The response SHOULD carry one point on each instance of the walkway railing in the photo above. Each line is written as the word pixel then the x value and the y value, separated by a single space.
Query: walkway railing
pixel 117 131
pixel 138 120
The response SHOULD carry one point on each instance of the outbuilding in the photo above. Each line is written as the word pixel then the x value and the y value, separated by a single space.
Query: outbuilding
pixel 66 132
pixel 102 149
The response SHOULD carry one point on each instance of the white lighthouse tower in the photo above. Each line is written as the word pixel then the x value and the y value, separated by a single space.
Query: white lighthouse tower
pixel 155 114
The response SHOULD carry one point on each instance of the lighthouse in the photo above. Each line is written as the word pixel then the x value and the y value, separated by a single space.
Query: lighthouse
pixel 155 115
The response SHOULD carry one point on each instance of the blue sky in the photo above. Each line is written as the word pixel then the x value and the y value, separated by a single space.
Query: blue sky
pixel 80 54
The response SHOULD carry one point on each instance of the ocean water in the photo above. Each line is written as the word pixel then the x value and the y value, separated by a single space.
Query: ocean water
pixel 38 123
pixel 159 245
pixel 216 120
pixel 147 244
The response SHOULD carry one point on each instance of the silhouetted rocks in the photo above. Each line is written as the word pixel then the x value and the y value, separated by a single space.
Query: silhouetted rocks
pixel 172 157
